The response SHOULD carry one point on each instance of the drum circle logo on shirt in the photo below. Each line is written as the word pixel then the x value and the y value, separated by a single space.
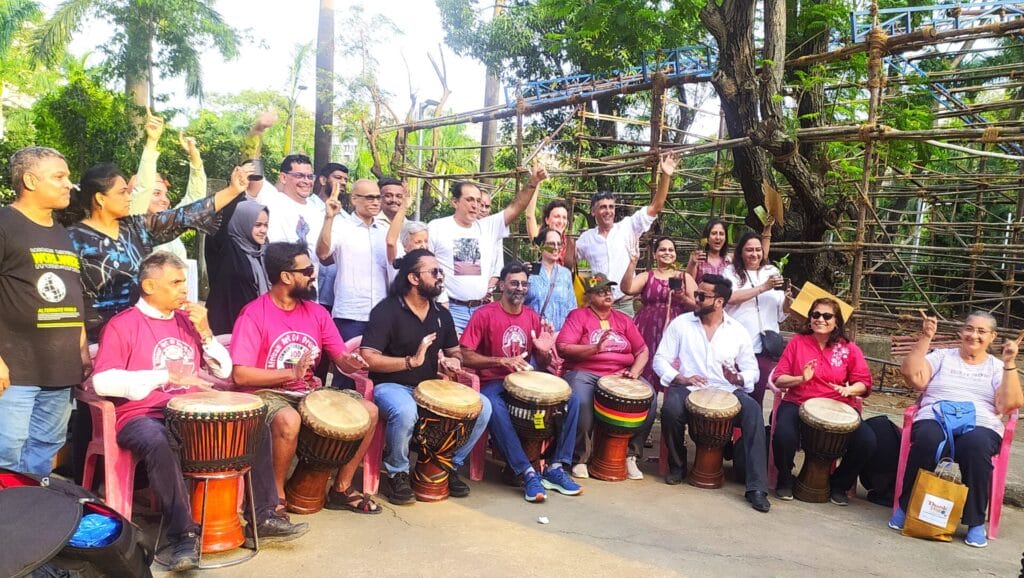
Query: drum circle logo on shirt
pixel 513 341
pixel 175 355
pixel 615 342
pixel 51 288
pixel 288 349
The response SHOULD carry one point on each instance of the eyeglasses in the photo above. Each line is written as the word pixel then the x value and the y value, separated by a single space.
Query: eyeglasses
pixel 437 272
pixel 307 271
pixel 700 296
pixel 554 245
pixel 518 284
pixel 304 176
pixel 820 315
pixel 606 290
pixel 968 330
pixel 370 198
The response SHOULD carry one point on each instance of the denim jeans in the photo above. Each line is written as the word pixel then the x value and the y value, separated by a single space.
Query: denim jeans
pixel 461 315
pixel 33 427
pixel 348 329
pixel 399 412
pixel 507 438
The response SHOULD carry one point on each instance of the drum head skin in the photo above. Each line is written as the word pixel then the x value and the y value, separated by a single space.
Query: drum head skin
pixel 829 415
pixel 214 402
pixel 625 387
pixel 335 415
pixel 448 398
pixel 711 402
pixel 537 387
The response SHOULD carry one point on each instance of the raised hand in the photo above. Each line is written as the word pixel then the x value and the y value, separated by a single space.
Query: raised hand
pixel 189 145
pixel 668 163
pixel 545 341
pixel 808 372
pixel 929 325
pixel 421 353
pixel 333 205
pixel 537 173
pixel 1009 354
pixel 154 126
pixel 240 178
pixel 265 120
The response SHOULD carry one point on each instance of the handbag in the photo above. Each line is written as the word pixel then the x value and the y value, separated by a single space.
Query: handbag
pixel 956 418
pixel 771 341
pixel 936 504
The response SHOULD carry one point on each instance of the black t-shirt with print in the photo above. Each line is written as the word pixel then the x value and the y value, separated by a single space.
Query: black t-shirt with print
pixel 40 302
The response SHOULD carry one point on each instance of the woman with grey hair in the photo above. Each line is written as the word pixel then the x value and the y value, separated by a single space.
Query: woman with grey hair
pixel 967 373
pixel 404 236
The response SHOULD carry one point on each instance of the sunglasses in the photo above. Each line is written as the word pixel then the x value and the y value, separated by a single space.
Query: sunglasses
pixel 437 272
pixel 306 176
pixel 820 315
pixel 307 271
pixel 370 198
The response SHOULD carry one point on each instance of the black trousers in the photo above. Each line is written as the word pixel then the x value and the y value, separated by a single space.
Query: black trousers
pixel 786 440
pixel 148 439
pixel 974 451
pixel 751 421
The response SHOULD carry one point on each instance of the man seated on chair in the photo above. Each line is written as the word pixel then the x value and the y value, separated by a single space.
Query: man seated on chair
pixel 407 332
pixel 276 343
pixel 712 350
pixel 498 340
pixel 150 353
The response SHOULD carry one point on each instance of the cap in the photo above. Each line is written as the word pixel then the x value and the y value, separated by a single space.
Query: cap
pixel 596 282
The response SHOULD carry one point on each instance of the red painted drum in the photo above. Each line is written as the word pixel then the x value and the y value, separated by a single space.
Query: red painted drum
pixel 621 405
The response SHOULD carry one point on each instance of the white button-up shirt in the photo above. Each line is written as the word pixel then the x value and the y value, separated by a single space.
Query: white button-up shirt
pixel 360 255
pixel 685 341
pixel 610 255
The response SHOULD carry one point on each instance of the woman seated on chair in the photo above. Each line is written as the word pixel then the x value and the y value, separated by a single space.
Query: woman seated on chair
pixel 821 361
pixel 966 374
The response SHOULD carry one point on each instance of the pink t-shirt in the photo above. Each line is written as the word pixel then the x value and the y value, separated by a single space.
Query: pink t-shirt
pixel 133 341
pixel 268 337
pixel 582 327
pixel 841 363
pixel 494 332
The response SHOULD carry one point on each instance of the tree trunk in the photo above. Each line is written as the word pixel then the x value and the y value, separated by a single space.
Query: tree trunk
pixel 138 71
pixel 492 96
pixel 324 128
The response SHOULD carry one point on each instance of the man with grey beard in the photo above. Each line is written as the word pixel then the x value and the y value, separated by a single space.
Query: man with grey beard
pixel 498 340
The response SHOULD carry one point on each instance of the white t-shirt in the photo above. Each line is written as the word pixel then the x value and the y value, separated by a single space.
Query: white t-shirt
pixel 769 303
pixel 610 255
pixel 467 254
pixel 953 379
pixel 289 218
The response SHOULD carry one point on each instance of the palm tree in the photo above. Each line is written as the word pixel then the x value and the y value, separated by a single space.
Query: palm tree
pixel 14 14
pixel 167 35
pixel 324 130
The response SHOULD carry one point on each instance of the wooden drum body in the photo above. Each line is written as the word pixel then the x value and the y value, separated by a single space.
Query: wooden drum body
pixel 218 433
pixel 447 414
pixel 537 405
pixel 711 413
pixel 825 428
pixel 621 406
pixel 333 425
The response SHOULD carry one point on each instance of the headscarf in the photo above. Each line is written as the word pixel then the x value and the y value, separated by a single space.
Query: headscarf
pixel 240 232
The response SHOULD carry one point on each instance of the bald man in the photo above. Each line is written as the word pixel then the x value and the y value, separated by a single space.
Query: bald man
pixel 356 243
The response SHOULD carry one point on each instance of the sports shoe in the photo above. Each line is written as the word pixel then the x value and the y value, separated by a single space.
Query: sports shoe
pixel 784 493
pixel 580 471
pixel 632 471
pixel 976 536
pixel 184 553
pixel 556 479
pixel 839 497
pixel 533 488
pixel 456 487
pixel 401 490
pixel 897 519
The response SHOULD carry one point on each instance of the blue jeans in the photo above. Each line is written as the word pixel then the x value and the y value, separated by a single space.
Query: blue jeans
pixel 461 315
pixel 507 439
pixel 33 427
pixel 348 328
pixel 399 412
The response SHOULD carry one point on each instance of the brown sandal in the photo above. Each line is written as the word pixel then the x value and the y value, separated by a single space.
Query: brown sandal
pixel 363 504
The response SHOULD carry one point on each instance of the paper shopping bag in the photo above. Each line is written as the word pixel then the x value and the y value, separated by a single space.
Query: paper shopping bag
pixel 936 504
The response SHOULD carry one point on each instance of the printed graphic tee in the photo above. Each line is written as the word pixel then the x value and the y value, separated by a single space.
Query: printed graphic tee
pixel 494 332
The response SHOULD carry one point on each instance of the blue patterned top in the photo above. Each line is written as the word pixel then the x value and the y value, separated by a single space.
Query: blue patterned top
pixel 110 267
pixel 563 298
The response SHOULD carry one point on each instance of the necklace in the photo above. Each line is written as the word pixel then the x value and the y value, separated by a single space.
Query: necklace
pixel 603 321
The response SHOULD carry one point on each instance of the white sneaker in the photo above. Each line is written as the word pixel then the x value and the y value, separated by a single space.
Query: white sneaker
pixel 580 471
pixel 632 471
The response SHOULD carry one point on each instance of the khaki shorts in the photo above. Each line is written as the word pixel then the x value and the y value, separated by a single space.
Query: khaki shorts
pixel 276 402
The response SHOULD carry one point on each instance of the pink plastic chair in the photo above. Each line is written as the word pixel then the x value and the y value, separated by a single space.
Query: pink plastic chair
pixel 118 464
pixel 478 456
pixel 1000 463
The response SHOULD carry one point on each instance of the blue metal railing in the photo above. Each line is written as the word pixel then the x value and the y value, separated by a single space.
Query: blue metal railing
pixel 941 17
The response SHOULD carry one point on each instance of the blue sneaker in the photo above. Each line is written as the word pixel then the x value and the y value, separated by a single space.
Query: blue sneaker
pixel 976 536
pixel 534 490
pixel 897 519
pixel 556 479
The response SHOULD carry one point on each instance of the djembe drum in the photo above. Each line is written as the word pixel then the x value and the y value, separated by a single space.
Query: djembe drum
pixel 537 405
pixel 621 405
pixel 218 432
pixel 447 414
pixel 825 428
pixel 333 425
pixel 710 412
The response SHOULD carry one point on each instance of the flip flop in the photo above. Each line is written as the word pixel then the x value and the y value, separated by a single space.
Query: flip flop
pixel 343 501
